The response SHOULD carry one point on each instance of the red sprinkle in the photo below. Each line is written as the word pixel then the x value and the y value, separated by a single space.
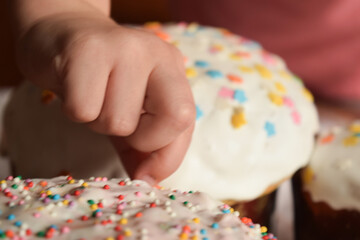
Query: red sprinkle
pixel 28 232
pixel 122 183
pixel 121 197
pixel 84 218
pixel 152 205
pixel 139 214
pixel 107 187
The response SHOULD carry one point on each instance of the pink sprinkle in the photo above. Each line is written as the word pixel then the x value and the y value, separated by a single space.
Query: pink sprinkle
pixel 138 194
pixel 296 117
pixel 9 178
pixel 288 102
pixel 104 179
pixel 98 179
pixel 14 197
pixel 226 92
pixel 98 214
pixel 43 195
pixel 6 190
pixel 36 215
pixel 65 229
pixel 268 58
pixel 21 202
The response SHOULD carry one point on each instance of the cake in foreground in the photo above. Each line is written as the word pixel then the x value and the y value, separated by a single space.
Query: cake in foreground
pixel 97 208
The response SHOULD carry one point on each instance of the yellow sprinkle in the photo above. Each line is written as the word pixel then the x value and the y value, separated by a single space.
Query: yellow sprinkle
pixel 123 221
pixel 152 25
pixel 285 74
pixel 276 99
pixel 94 207
pixel 191 72
pixel 238 119
pixel 307 175
pixel 195 238
pixel 175 43
pixel 2 181
pixel 183 236
pixel 246 69
pixel 264 72
pixel 196 220
pixel 66 202
pixel 308 95
pixel 218 47
pixel 192 27
pixel 280 87
pixel 40 208
pixel 355 128
pixel 350 141
pixel 42 191
pixel 127 232
pixel 72 181
pixel 48 192
pixel 235 57
pixel 110 238
pixel 263 229
pixel 85 184
pixel 231 210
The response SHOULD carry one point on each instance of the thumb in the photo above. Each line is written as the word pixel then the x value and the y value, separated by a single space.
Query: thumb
pixel 153 167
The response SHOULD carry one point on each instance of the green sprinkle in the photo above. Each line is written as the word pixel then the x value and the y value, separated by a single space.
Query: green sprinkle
pixel 91 202
pixel 186 203
pixel 41 234
pixel 172 197
pixel 14 186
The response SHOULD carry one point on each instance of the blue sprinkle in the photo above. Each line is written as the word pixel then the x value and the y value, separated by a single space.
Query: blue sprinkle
pixel 357 135
pixel 215 225
pixel 53 226
pixel 226 210
pixel 202 64
pixel 11 217
pixel 215 74
pixel 270 129
pixel 199 113
pixel 1 212
pixel 203 231
pixel 205 238
pixel 239 95
pixel 1 232
pixel 18 223
pixel 56 197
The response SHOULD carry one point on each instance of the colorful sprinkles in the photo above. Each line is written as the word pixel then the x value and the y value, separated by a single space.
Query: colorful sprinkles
pixel 111 209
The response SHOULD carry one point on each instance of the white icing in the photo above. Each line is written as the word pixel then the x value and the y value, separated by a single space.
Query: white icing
pixel 224 161
pixel 241 163
pixel 334 170
pixel 164 219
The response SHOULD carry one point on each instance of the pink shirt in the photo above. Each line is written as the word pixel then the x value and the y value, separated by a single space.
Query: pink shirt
pixel 319 39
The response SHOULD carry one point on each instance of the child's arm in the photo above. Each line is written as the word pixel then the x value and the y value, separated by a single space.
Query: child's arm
pixel 119 81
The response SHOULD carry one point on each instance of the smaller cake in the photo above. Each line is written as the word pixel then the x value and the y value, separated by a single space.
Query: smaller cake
pixel 327 192
pixel 97 208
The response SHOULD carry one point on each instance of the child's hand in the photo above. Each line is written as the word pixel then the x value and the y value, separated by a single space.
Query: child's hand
pixel 118 81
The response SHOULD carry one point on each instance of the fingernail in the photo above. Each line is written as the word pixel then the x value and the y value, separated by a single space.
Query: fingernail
pixel 147 178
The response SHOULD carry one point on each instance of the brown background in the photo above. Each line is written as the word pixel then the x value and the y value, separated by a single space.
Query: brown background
pixel 122 11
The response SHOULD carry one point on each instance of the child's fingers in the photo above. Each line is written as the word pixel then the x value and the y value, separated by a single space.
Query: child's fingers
pixel 83 85
pixel 123 101
pixel 169 109
pixel 156 166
